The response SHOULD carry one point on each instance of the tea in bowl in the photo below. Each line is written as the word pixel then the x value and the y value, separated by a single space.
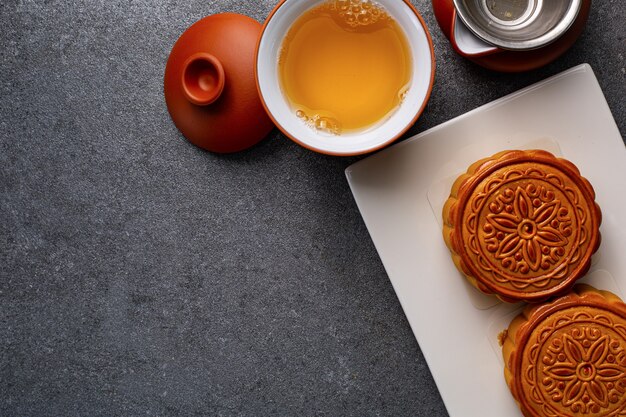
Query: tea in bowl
pixel 344 77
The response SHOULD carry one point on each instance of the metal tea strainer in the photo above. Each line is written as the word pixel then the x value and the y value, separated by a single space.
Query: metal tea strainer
pixel 518 24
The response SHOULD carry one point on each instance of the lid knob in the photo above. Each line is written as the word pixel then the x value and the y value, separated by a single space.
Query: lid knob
pixel 203 79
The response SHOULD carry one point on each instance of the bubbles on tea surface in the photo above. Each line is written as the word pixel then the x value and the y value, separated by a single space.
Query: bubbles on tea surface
pixel 320 123
pixel 403 93
pixel 360 12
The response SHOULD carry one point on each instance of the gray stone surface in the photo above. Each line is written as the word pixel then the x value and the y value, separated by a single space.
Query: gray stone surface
pixel 140 275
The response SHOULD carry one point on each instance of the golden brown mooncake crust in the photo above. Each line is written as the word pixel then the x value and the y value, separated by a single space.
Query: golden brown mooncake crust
pixel 568 357
pixel 522 225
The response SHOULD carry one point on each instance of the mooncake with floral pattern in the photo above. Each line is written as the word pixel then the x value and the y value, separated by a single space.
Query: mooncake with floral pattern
pixel 522 225
pixel 567 357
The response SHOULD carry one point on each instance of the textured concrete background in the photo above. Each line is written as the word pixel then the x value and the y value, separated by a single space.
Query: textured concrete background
pixel 140 275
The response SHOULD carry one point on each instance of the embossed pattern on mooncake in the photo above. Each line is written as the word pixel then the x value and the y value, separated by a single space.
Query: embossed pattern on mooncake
pixel 522 225
pixel 568 357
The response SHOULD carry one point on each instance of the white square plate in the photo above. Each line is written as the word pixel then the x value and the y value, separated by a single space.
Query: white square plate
pixel 398 192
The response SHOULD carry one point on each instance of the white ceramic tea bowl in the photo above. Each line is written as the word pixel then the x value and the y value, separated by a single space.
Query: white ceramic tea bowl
pixel 370 139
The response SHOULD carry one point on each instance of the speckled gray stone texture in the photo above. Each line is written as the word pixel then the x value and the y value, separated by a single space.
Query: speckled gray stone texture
pixel 140 275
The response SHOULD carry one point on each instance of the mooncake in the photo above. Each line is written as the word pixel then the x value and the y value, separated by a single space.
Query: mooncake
pixel 522 225
pixel 567 357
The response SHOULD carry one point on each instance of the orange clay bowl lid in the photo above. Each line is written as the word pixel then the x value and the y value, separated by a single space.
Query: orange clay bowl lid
pixel 209 84
pixel 568 357
pixel 522 225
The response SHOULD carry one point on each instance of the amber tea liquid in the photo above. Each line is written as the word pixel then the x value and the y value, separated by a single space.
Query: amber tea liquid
pixel 345 65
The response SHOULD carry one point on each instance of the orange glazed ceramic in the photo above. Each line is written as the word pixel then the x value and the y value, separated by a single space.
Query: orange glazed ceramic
pixel 522 225
pixel 511 61
pixel 210 87
pixel 568 357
